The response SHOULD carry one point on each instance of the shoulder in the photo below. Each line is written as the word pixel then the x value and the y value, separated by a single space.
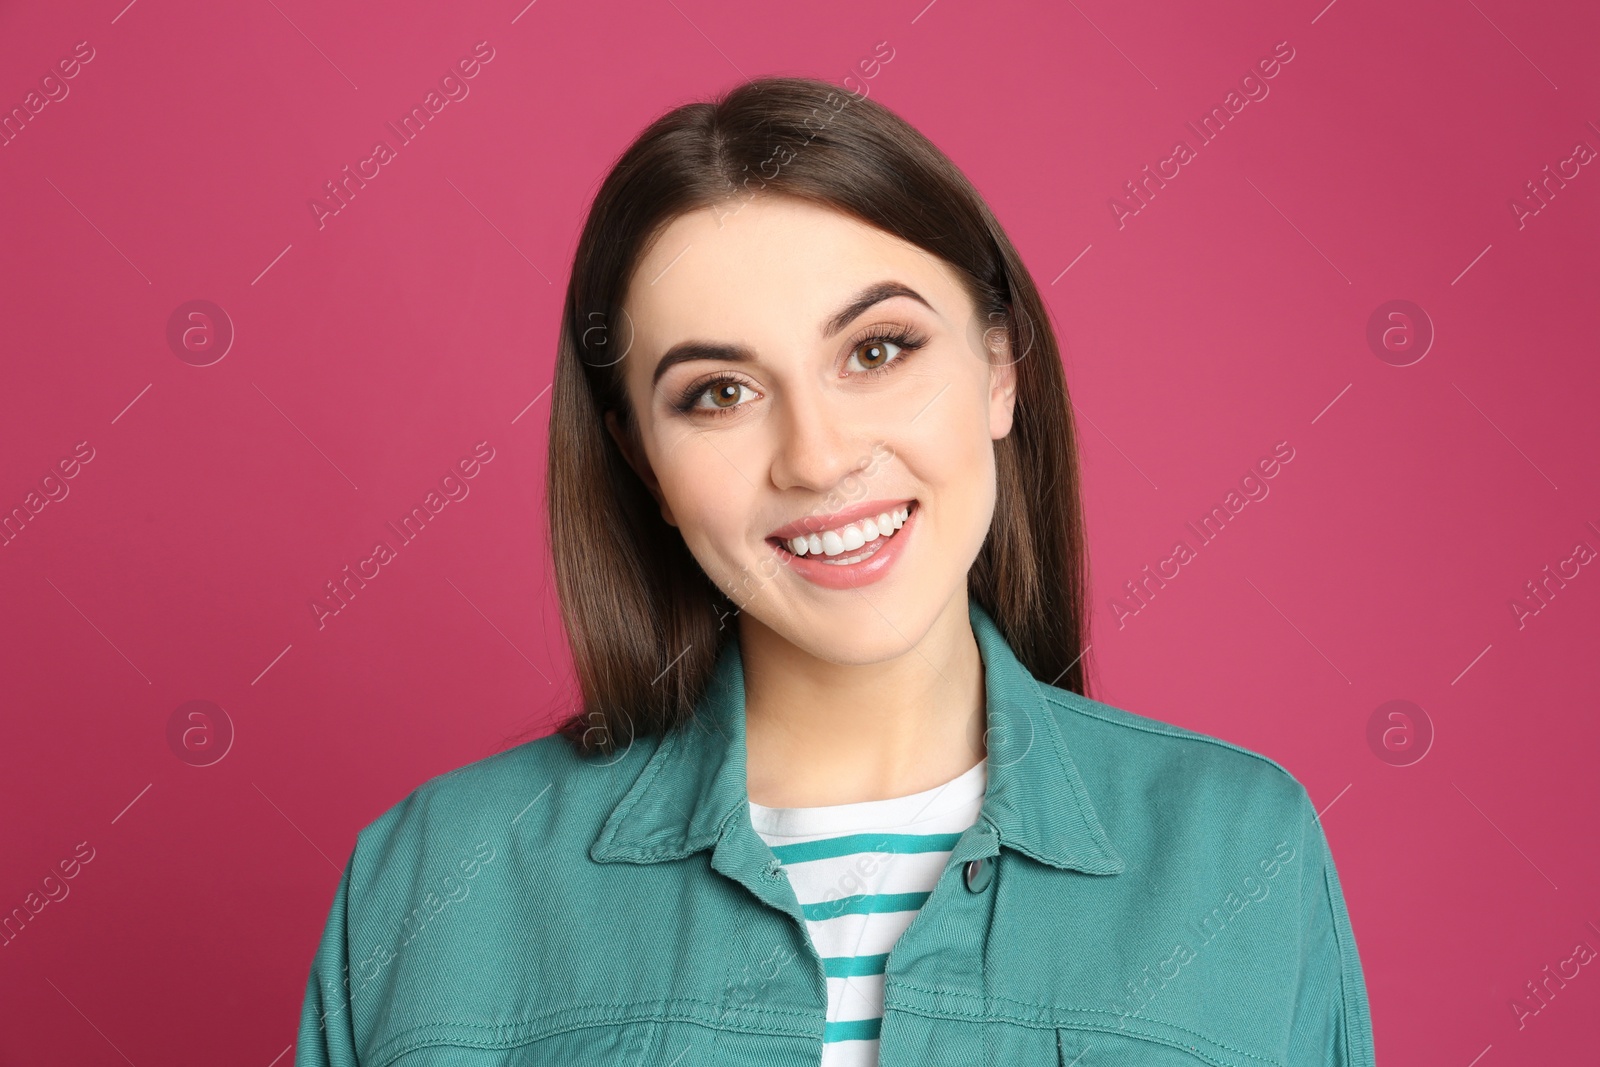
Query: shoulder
pixel 1154 748
pixel 1159 786
pixel 473 868
pixel 539 790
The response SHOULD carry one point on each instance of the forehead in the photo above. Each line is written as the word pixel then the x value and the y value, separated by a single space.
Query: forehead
pixel 774 264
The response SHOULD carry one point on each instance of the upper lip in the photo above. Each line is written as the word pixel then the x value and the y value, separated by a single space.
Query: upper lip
pixel 815 524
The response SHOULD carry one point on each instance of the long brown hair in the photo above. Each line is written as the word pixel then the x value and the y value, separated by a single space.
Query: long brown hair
pixel 643 621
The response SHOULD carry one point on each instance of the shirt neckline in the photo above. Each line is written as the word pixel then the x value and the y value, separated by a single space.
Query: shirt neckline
pixel 958 793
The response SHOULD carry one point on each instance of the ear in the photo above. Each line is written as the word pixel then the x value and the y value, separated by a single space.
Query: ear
pixel 639 462
pixel 1002 387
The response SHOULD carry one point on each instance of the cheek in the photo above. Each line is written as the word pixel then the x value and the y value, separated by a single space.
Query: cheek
pixel 948 446
pixel 953 456
pixel 712 503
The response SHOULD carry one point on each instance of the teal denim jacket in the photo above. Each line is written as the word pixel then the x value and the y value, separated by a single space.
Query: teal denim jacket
pixel 1132 893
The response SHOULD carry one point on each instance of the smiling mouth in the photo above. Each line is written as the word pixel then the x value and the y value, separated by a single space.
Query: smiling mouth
pixel 852 543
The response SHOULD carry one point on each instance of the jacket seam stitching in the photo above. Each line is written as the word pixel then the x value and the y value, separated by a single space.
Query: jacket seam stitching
pixel 1356 1051
pixel 1187 736
pixel 1345 1022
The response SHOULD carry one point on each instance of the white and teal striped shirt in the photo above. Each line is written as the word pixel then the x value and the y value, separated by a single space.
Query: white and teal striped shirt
pixel 860 872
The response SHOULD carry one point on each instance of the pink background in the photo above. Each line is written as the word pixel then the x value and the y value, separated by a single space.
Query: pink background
pixel 1229 314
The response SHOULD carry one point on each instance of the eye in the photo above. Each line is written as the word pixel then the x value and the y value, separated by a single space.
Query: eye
pixel 873 354
pixel 878 350
pixel 716 396
pixel 726 394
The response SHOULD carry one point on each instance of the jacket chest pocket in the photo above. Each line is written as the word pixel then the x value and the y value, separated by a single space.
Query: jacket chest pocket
pixel 1093 1048
pixel 637 1043
pixel 625 1042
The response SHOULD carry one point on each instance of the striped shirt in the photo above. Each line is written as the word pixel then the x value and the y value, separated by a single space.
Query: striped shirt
pixel 860 872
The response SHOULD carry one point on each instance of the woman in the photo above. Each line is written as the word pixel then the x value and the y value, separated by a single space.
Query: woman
pixel 834 793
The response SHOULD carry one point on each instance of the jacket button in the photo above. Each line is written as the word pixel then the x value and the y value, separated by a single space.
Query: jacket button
pixel 979 874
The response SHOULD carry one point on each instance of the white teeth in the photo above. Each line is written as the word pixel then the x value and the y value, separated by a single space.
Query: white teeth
pixel 851 537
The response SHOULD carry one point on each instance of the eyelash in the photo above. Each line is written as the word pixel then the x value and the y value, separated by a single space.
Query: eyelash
pixel 902 337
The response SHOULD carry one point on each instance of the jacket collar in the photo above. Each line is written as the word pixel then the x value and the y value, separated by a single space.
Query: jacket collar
pixel 694 787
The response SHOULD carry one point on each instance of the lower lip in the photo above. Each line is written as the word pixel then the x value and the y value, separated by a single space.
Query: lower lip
pixel 852 575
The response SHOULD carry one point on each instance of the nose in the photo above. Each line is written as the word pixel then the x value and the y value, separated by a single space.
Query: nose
pixel 817 448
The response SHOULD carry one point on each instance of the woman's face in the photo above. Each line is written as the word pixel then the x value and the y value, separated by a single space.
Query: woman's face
pixel 796 372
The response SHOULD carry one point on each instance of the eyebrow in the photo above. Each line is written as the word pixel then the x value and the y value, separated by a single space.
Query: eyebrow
pixel 686 351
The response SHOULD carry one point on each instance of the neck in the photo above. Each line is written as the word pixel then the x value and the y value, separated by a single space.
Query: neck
pixel 820 733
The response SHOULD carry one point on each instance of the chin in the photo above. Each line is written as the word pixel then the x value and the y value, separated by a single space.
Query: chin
pixel 854 628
